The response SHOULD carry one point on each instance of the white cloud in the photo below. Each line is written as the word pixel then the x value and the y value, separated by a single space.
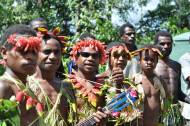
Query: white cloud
pixel 135 15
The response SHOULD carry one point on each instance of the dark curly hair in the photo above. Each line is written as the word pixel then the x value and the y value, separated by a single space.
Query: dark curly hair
pixel 162 33
pixel 122 28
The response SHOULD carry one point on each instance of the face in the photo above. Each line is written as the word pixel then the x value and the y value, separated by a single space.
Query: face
pixel 166 45
pixel 50 56
pixel 129 36
pixel 148 61
pixel 118 58
pixel 21 62
pixel 88 60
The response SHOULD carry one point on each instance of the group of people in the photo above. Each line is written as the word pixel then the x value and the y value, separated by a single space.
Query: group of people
pixel 79 97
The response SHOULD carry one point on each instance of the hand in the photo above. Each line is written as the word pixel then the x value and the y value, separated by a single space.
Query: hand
pixel 100 116
pixel 117 75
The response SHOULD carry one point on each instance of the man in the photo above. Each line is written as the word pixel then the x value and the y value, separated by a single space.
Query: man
pixel 185 64
pixel 127 34
pixel 87 54
pixel 19 50
pixel 169 70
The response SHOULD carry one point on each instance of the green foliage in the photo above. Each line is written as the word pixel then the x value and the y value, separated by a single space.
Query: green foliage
pixel 73 16
pixel 9 114
pixel 78 16
pixel 173 17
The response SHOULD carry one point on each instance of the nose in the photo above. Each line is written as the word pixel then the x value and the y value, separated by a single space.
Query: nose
pixel 167 45
pixel 31 56
pixel 121 58
pixel 52 56
pixel 149 62
pixel 132 35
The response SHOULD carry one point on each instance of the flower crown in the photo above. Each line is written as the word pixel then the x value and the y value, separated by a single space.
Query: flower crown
pixel 25 42
pixel 55 32
pixel 118 47
pixel 95 44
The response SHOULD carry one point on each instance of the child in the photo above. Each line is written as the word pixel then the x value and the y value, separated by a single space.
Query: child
pixel 151 84
pixel 19 50
pixel 118 56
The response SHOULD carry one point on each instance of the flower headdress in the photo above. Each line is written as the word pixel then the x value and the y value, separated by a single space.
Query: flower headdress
pixel 25 42
pixel 55 32
pixel 95 44
pixel 120 47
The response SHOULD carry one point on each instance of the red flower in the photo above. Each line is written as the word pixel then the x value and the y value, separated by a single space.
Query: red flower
pixel 29 103
pixel 20 96
pixel 39 108
pixel 95 44
pixel 25 42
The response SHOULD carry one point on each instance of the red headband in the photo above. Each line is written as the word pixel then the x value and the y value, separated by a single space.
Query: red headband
pixel 119 47
pixel 25 42
pixel 95 44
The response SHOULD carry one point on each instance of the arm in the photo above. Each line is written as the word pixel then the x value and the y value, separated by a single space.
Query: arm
pixel 5 91
pixel 182 96
pixel 185 71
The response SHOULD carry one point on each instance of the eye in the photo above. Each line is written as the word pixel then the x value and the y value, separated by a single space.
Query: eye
pixel 57 52
pixel 47 52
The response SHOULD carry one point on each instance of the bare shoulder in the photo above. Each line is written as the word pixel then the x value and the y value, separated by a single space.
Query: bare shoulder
pixel 5 89
pixel 175 64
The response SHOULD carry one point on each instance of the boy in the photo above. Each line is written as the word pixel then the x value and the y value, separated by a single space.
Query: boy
pixel 118 55
pixel 151 84
pixel 19 49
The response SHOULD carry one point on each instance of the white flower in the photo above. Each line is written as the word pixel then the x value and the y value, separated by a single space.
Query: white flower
pixel 12 98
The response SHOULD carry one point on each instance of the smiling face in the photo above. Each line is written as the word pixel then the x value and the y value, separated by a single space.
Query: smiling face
pixel 118 57
pixel 148 60
pixel 50 55
pixel 88 60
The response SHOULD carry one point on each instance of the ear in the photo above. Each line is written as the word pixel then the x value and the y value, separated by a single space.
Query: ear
pixel 3 51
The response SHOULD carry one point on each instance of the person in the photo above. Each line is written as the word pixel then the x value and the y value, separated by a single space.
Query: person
pixel 170 71
pixel 19 50
pixel 185 64
pixel 38 23
pixel 87 54
pixel 127 35
pixel 71 64
pixel 118 56
pixel 49 63
pixel 151 85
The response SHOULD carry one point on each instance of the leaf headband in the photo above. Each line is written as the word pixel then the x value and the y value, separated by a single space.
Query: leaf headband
pixel 154 49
